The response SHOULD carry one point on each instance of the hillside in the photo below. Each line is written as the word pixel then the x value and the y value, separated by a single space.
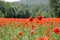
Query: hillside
pixel 33 2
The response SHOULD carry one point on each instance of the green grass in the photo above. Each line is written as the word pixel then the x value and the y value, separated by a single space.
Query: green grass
pixel 9 33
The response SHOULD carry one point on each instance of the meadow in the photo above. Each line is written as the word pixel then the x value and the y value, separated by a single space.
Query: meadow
pixel 30 28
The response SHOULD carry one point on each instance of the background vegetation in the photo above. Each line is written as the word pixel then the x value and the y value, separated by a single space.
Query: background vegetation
pixel 27 8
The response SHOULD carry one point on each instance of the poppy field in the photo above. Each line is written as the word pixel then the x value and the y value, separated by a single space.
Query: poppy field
pixel 30 28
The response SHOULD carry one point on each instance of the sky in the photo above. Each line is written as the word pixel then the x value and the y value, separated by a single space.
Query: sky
pixel 11 0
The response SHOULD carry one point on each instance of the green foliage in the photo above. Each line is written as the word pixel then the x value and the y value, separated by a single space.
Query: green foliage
pixel 12 32
pixel 13 10
pixel 1 14
pixel 55 8
pixel 21 10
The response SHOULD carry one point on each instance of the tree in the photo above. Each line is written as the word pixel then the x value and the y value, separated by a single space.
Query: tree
pixel 1 14
pixel 55 8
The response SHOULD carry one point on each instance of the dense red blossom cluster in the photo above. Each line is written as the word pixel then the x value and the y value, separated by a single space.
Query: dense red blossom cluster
pixel 24 21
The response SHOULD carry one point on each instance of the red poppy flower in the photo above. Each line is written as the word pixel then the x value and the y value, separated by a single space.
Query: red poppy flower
pixel 43 38
pixel 39 17
pixel 15 38
pixel 47 33
pixel 31 32
pixel 33 28
pixel 56 30
pixel 20 33
pixel 31 19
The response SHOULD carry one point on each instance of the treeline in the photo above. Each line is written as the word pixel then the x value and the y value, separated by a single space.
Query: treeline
pixel 14 10
pixel 55 8
pixel 9 10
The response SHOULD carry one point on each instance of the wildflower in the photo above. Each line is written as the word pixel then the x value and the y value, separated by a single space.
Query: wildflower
pixel 31 19
pixel 15 38
pixel 31 32
pixel 43 38
pixel 56 30
pixel 39 17
pixel 47 33
pixel 33 28
pixel 20 33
